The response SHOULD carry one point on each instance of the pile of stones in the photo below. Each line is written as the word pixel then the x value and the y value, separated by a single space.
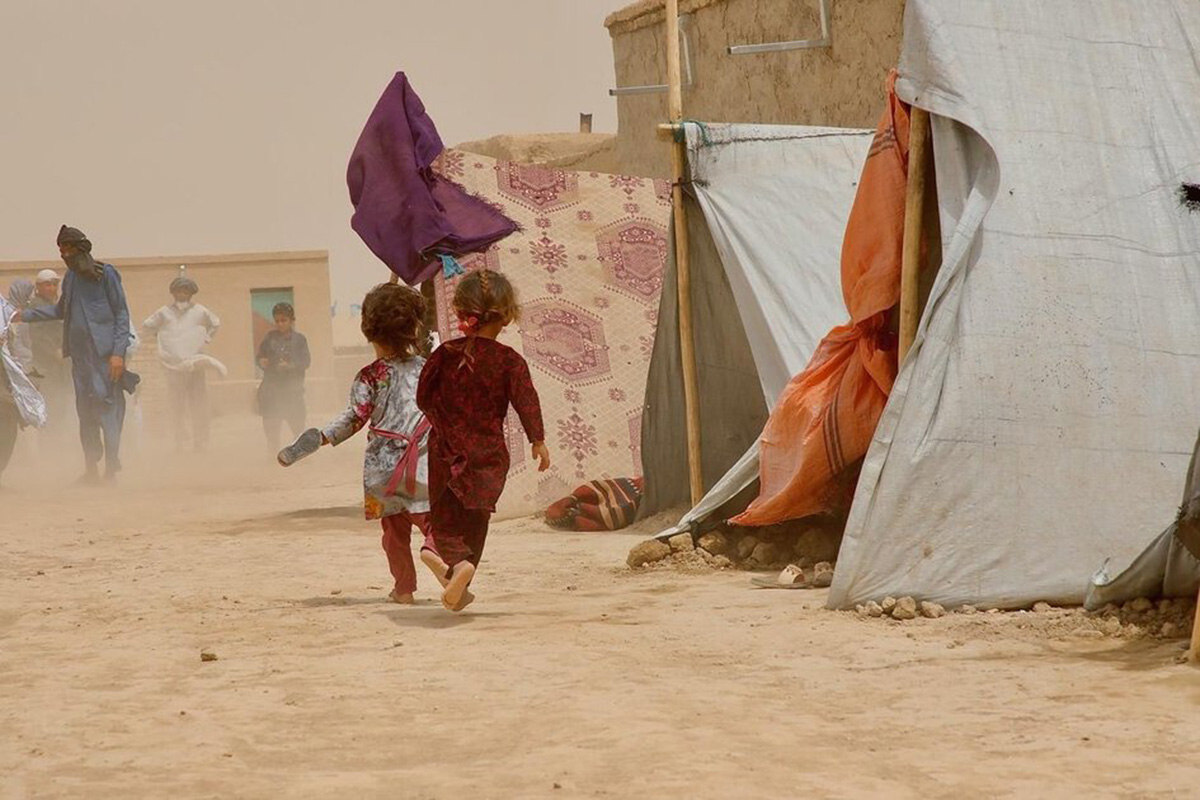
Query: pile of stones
pixel 805 543
pixel 1136 619
pixel 1161 619
pixel 903 608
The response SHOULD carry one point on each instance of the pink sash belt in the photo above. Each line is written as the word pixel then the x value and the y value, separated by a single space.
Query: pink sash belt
pixel 406 467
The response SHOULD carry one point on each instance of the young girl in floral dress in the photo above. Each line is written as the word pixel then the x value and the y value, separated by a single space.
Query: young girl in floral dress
pixel 383 397
pixel 465 391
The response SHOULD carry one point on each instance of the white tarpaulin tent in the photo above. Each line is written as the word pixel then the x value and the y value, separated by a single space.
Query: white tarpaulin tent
pixel 1045 418
pixel 775 200
pixel 1168 567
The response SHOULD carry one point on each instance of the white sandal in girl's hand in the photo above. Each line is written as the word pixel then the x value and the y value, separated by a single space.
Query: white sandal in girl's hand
pixel 306 444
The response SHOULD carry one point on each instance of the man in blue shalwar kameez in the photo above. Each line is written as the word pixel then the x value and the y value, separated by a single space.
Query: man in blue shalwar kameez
pixel 96 334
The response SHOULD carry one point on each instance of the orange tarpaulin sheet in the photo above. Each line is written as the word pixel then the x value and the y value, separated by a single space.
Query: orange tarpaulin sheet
pixel 825 417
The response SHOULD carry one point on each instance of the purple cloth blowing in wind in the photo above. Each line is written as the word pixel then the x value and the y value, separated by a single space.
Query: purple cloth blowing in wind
pixel 405 212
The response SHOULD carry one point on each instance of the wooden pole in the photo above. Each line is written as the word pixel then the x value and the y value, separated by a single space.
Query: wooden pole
pixel 914 222
pixel 1193 654
pixel 687 348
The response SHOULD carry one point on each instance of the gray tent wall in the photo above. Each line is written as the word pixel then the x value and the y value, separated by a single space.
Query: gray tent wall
pixel 766 224
pixel 1169 567
pixel 1044 419
pixel 732 408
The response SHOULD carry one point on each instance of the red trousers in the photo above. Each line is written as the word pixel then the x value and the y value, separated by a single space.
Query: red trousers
pixel 459 533
pixel 397 535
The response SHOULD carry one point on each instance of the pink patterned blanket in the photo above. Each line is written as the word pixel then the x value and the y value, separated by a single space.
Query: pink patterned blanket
pixel 588 265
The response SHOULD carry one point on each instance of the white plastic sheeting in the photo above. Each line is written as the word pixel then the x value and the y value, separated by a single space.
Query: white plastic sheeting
pixel 776 200
pixel 1169 567
pixel 30 404
pixel 1045 418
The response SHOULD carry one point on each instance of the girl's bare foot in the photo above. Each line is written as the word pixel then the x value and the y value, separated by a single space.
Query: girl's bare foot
pixel 456 589
pixel 436 565
pixel 404 599
pixel 467 599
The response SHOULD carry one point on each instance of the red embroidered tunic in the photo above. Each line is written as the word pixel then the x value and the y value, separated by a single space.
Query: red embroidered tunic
pixel 466 398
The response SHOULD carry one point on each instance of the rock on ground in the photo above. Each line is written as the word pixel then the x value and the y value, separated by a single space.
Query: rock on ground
pixel 1140 604
pixel 889 603
pixel 746 546
pixel 715 542
pixel 647 552
pixel 932 610
pixel 1042 608
pixel 874 610
pixel 1087 633
pixel 681 543
pixel 765 553
pixel 906 608
pixel 822 575
pixel 818 543
pixel 968 609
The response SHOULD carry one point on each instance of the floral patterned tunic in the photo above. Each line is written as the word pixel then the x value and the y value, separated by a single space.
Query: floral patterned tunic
pixel 384 395
pixel 466 397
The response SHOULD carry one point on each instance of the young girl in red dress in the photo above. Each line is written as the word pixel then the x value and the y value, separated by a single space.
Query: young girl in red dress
pixel 465 391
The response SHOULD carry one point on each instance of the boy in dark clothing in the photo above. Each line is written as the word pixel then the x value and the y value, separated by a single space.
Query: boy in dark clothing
pixel 284 358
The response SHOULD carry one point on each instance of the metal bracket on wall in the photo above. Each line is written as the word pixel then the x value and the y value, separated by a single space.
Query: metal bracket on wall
pixel 685 52
pixel 800 44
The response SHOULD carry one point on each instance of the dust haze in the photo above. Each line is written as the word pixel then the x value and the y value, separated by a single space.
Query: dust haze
pixel 207 623
pixel 223 127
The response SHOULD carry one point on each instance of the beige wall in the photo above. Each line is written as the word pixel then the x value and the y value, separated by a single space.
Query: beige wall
pixel 579 152
pixel 225 282
pixel 838 86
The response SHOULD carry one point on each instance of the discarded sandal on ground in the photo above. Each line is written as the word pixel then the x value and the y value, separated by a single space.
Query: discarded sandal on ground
pixel 790 577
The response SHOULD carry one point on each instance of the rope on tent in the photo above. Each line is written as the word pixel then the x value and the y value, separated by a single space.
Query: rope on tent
pixel 679 132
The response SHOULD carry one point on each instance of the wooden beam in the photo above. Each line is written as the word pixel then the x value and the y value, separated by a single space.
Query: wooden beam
pixel 666 131
pixel 1193 653
pixel 687 348
pixel 912 261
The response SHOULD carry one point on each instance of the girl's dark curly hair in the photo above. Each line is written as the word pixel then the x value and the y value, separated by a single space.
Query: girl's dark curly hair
pixel 392 317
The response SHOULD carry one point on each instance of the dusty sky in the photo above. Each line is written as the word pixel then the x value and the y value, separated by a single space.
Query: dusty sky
pixel 169 127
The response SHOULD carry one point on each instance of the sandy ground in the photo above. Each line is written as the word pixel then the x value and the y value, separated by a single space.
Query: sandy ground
pixel 570 677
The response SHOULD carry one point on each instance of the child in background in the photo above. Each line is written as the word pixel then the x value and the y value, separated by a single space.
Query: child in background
pixel 465 391
pixel 284 358
pixel 383 395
